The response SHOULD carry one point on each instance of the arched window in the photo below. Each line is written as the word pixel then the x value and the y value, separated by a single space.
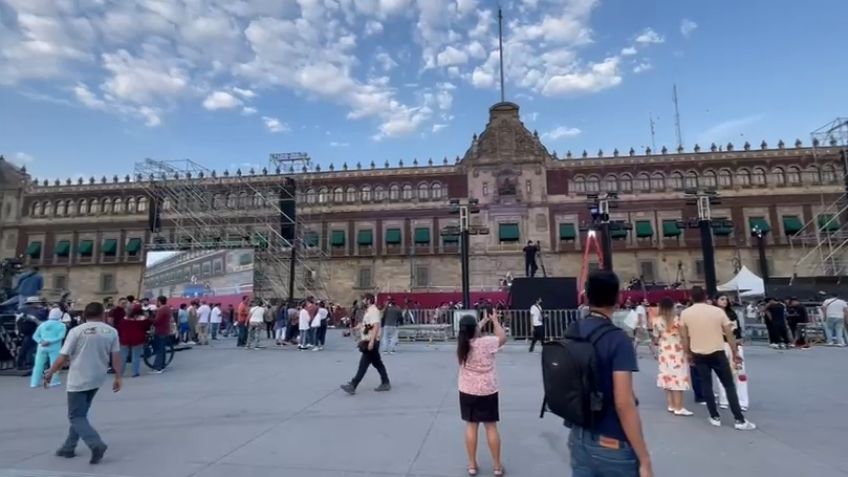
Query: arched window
pixel 48 209
pixel 258 199
pixel 231 201
pixel 593 184
pixel 72 208
pixel 118 206
pixel 677 181
pixel 579 184
pixel 709 179
pixel 436 191
pixel 323 195
pixel 610 183
pixel 37 209
pixel 643 182
pixel 131 205
pixel 691 181
pixel 778 177
pixel 167 204
pixel 625 184
pixel 828 174
pixel 244 200
pixel 106 206
pixel 350 194
pixel 394 192
pixel 379 193
pixel 812 175
pixel 142 204
pixel 758 177
pixel 60 208
pixel 217 202
pixel 743 178
pixel 338 195
pixel 725 178
pixel 406 192
pixel 657 182
pixel 423 191
pixel 310 196
pixel 365 193
pixel 83 207
pixel 793 175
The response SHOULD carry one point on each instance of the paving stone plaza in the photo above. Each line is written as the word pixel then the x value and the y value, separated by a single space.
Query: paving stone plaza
pixel 223 411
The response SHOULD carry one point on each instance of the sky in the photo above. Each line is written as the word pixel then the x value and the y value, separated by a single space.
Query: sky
pixel 90 87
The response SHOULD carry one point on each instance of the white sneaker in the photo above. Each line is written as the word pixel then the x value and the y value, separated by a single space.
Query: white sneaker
pixel 723 406
pixel 774 346
pixel 745 426
pixel 703 403
pixel 715 422
pixel 744 408
pixel 671 409
pixel 316 349
pixel 683 412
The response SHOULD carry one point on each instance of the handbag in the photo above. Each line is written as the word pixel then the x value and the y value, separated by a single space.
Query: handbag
pixel 363 346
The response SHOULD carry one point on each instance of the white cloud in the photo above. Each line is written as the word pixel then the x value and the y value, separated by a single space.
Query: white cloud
pixel 274 125
pixel 22 158
pixel 385 60
pixel 339 144
pixel 643 66
pixel 595 77
pixel 244 93
pixel 561 132
pixel 729 130
pixel 532 117
pixel 629 51
pixel 687 27
pixel 452 56
pixel 439 127
pixel 373 27
pixel 649 36
pixel 221 100
pixel 248 111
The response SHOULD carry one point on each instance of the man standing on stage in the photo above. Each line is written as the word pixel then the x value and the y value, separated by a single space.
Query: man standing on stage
pixel 530 258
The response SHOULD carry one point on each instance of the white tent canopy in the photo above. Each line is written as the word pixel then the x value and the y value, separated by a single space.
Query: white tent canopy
pixel 746 283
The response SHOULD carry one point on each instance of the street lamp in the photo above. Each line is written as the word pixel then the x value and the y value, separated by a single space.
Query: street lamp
pixel 705 199
pixel 465 230
pixel 599 206
pixel 759 233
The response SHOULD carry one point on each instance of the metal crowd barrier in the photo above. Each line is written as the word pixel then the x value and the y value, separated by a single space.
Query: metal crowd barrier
pixel 517 322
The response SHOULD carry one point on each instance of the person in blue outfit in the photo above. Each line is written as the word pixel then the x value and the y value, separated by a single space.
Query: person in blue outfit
pixel 48 336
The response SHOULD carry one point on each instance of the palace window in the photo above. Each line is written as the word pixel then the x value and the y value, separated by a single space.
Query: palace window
pixel 610 184
pixel 338 195
pixel 94 209
pixel 709 179
pixel 778 177
pixel 436 191
pixel 323 195
pixel 725 178
pixel 394 192
pixel 812 175
pixel 60 208
pixel 379 193
pixel 643 182
pixel 48 209
pixel 119 206
pixel 365 193
pixel 793 175
pixel 350 194
pixel 758 178
pixel 743 178
pixel 593 184
pixel 310 196
pixel 579 185
pixel 676 181
pixel 828 174
pixel 407 192
pixel 423 191
pixel 657 182
pixel 691 181
pixel 625 184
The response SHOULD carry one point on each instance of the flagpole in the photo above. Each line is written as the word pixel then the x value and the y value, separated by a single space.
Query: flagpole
pixel 500 51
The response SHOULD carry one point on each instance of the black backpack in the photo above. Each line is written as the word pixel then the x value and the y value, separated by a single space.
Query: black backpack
pixel 570 376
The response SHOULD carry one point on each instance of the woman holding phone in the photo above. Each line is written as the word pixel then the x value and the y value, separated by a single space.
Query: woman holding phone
pixel 478 385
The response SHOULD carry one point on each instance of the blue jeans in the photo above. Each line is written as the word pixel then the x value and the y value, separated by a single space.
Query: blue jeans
pixel 834 330
pixel 135 352
pixel 78 405
pixel 159 352
pixel 590 459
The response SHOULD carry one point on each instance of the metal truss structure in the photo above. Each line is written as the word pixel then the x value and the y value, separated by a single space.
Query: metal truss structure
pixel 823 241
pixel 201 209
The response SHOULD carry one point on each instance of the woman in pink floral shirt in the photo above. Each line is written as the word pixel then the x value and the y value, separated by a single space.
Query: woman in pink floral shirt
pixel 478 385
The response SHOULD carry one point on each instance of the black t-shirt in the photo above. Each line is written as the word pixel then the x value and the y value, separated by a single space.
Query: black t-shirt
pixel 797 313
pixel 530 252
pixel 777 311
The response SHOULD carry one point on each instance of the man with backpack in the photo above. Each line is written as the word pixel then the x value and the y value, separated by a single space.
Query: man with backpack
pixel 589 383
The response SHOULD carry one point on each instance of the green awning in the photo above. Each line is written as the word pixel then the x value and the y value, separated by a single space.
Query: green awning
pixel 759 222
pixel 450 239
pixel 63 248
pixel 567 232
pixel 337 238
pixel 828 225
pixel 422 236
pixel 722 231
pixel 110 247
pixel 792 224
pixel 134 246
pixel 393 237
pixel 312 239
pixel 34 250
pixel 644 229
pixel 671 229
pixel 618 234
pixel 365 237
pixel 508 233
pixel 86 248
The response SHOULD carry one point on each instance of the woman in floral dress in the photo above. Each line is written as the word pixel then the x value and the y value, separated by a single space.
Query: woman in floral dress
pixel 673 374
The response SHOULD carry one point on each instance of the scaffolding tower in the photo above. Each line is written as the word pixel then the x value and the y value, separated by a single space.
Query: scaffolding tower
pixel 822 242
pixel 201 209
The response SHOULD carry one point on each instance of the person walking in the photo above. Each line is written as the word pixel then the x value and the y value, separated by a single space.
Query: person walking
pixel 256 324
pixel 204 318
pixel 835 311
pixel 392 317
pixel 132 333
pixel 323 322
pixel 48 337
pixel 215 318
pixel 673 375
pixel 88 347
pixel 229 321
pixel 538 323
pixel 161 334
pixel 478 385
pixel 281 320
pixel 796 316
pixel 775 314
pixel 369 347
pixel 269 320
pixel 242 320
pixel 702 331
pixel 182 323
pixel 740 375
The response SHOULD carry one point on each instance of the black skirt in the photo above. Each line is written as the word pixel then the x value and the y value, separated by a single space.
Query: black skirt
pixel 479 408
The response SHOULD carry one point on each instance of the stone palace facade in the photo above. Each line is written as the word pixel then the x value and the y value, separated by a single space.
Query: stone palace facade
pixel 380 226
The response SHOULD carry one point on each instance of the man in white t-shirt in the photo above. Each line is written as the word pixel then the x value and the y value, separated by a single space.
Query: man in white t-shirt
pixel 538 324
pixel 204 313
pixel 319 326
pixel 641 333
pixel 215 319
pixel 835 311
pixel 369 347
pixel 304 322
pixel 256 324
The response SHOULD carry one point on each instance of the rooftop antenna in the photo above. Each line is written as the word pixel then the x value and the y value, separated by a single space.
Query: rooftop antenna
pixel 677 118
pixel 500 51
pixel 653 132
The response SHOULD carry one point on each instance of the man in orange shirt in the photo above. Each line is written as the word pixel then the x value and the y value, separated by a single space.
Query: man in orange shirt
pixel 241 318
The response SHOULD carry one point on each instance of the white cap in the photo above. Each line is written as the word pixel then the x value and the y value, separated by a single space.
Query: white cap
pixel 55 314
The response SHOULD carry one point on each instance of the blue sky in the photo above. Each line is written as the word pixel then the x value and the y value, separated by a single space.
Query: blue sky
pixel 88 87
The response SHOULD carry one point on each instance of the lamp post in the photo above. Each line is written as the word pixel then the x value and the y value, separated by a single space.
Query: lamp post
pixel 705 199
pixel 465 230
pixel 760 235
pixel 600 205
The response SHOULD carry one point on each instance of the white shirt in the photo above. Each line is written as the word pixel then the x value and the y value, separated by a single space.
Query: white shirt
pixel 319 317
pixel 256 314
pixel 834 308
pixel 303 320
pixel 536 315
pixel 642 315
pixel 203 313
pixel 216 315
pixel 372 318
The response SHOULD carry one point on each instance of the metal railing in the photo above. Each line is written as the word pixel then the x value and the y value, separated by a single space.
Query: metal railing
pixel 518 323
